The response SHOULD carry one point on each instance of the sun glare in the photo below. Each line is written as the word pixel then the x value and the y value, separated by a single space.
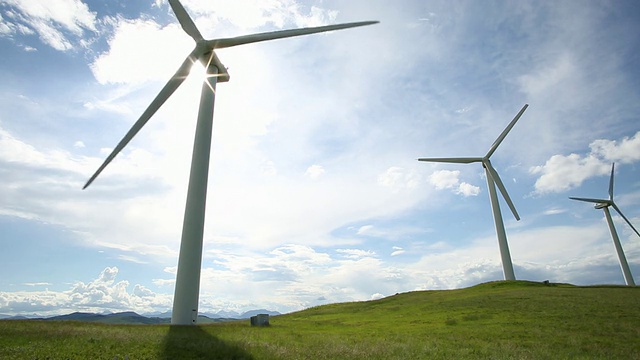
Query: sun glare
pixel 198 72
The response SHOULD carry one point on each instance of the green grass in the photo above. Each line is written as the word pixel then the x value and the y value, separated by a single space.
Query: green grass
pixel 499 320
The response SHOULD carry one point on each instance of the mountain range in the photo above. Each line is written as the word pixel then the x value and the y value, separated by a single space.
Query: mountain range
pixel 130 317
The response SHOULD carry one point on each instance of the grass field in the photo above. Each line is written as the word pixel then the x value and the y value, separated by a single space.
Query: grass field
pixel 498 320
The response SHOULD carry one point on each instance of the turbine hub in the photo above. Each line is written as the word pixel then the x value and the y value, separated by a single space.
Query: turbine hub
pixel 207 57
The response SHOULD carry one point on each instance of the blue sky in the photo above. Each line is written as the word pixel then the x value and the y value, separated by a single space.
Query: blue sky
pixel 315 194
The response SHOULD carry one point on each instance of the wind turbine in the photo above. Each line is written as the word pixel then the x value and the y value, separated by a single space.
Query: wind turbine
pixel 185 302
pixel 493 179
pixel 604 205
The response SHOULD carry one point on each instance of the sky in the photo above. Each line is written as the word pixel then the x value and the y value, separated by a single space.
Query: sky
pixel 315 195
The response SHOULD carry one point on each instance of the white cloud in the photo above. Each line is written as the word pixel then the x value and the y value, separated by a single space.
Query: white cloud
pixel 314 171
pixel 554 211
pixel 446 179
pixel 397 251
pixel 393 233
pixel 356 253
pixel 99 295
pixel 162 48
pixel 561 173
pixel 625 151
pixel 398 178
pixel 5 28
pixel 38 284
pixel 16 151
pixel 467 189
pixel 249 14
pixel 365 230
pixel 46 17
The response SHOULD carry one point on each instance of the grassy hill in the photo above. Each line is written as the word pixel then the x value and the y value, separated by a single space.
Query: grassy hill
pixel 498 320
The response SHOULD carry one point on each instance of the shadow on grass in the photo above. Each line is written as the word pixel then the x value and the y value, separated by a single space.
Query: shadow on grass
pixel 192 342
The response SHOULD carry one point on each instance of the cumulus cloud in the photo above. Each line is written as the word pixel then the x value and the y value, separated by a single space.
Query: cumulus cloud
pixel 101 294
pixel 625 151
pixel 565 172
pixel 447 179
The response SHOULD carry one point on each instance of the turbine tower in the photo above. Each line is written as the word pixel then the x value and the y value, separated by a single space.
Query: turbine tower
pixel 493 179
pixel 185 302
pixel 604 205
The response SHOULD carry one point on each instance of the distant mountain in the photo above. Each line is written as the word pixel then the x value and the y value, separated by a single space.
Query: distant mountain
pixel 166 314
pixel 130 317
pixel 19 317
pixel 16 317
pixel 127 317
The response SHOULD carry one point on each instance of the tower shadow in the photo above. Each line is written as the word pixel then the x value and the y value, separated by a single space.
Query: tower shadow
pixel 192 342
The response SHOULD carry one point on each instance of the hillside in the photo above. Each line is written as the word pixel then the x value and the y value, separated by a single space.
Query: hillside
pixel 498 320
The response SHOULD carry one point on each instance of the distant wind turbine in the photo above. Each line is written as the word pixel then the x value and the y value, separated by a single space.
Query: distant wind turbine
pixel 185 302
pixel 604 205
pixel 493 179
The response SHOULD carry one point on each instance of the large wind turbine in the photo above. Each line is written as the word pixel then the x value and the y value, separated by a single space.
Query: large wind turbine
pixel 185 302
pixel 493 179
pixel 604 205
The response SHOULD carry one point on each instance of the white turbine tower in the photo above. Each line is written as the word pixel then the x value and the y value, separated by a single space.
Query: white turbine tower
pixel 185 302
pixel 604 205
pixel 493 179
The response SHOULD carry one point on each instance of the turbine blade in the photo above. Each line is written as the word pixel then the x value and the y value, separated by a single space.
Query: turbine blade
pixel 162 96
pixel 246 39
pixel 496 179
pixel 625 218
pixel 595 201
pixel 505 132
pixel 185 20
pixel 611 182
pixel 452 160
